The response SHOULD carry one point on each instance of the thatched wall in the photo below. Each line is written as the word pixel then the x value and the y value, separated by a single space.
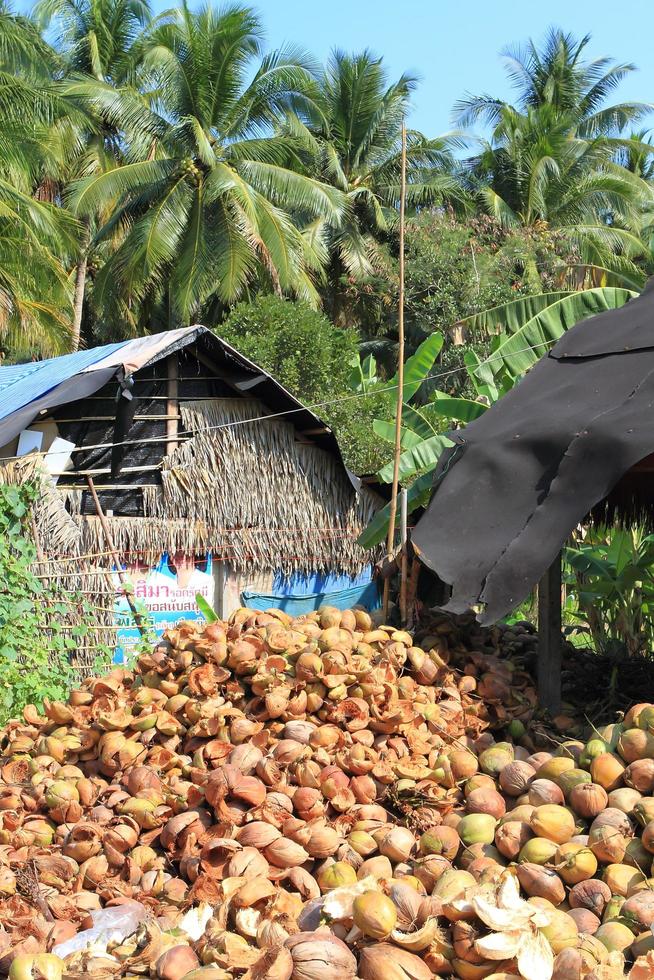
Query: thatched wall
pixel 65 565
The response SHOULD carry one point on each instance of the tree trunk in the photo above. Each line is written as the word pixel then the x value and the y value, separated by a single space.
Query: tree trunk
pixel 80 285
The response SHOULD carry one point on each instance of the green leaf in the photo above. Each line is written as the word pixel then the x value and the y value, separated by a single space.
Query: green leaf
pixel 205 608
pixel 535 324
pixel 509 317
pixel 419 420
pixel 386 430
pixel 461 409
pixel 419 457
pixel 481 375
pixel 377 530
pixel 418 366
pixel 363 375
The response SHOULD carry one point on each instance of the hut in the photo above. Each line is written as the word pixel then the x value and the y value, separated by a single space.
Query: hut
pixel 191 463
pixel 573 441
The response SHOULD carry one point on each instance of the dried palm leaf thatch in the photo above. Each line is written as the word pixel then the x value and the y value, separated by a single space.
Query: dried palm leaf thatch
pixel 55 524
pixel 277 502
pixel 248 492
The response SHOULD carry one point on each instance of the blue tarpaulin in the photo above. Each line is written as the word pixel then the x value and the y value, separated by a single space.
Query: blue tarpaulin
pixel 303 593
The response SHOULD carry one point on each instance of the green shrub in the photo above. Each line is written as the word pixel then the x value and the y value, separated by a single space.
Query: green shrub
pixel 312 358
pixel 295 343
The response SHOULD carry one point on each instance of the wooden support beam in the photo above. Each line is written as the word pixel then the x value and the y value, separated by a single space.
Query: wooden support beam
pixel 152 468
pixel 122 577
pixel 549 638
pixel 220 374
pixel 111 418
pixel 107 487
pixel 172 405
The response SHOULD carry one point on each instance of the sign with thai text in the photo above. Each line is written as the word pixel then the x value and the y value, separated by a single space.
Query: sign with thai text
pixel 166 594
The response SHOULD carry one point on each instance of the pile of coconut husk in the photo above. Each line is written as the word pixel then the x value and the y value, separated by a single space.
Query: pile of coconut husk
pixel 321 798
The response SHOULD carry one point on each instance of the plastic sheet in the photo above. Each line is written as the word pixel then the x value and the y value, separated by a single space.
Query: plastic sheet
pixel 109 926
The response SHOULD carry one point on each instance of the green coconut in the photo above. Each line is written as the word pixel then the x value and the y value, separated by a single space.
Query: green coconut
pixel 493 759
pixel 571 778
pixel 645 718
pixel 477 828
pixel 615 936
pixel 538 850
pixel 611 733
pixel 644 810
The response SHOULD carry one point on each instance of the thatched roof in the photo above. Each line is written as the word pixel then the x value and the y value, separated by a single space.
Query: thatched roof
pixel 262 492
pixel 251 492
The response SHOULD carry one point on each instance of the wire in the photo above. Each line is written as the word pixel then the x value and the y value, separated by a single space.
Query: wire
pixel 274 415
pixel 298 532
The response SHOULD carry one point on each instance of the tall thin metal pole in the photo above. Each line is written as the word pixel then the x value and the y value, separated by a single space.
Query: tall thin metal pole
pixel 400 374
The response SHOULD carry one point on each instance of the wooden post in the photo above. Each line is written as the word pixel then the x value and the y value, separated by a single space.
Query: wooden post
pixel 114 554
pixel 390 541
pixel 412 592
pixel 172 404
pixel 40 557
pixel 549 638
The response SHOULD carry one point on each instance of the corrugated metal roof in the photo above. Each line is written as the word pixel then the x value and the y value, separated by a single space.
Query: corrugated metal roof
pixel 21 384
pixel 28 389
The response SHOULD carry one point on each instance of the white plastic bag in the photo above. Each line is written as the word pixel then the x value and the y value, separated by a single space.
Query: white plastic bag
pixel 109 926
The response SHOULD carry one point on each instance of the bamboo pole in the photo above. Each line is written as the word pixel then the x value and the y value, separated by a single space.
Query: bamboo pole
pixel 114 554
pixel 400 375
pixel 403 555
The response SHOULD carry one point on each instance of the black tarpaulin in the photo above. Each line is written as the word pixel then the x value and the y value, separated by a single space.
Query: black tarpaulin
pixel 524 474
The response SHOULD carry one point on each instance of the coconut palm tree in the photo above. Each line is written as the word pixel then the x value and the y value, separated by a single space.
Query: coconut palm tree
pixel 353 141
pixel 636 154
pixel 98 39
pixel 35 309
pixel 204 201
pixel 551 157
pixel 35 295
pixel 556 75
pixel 533 170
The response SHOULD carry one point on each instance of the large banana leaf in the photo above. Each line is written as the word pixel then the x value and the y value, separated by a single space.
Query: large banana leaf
pixel 363 374
pixel 386 430
pixel 419 457
pixel 535 323
pixel 509 317
pixel 417 496
pixel 481 375
pixel 418 366
pixel 422 420
pixel 417 424
pixel 460 409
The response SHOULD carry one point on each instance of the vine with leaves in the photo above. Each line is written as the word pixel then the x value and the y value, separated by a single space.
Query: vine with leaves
pixel 38 636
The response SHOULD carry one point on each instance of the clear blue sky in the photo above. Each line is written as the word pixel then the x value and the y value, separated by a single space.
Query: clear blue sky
pixel 454 45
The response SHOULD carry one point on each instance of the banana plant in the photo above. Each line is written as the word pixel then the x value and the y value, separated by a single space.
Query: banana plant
pixel 526 328
pixel 423 441
pixel 365 380
pixel 521 331
pixel 608 572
